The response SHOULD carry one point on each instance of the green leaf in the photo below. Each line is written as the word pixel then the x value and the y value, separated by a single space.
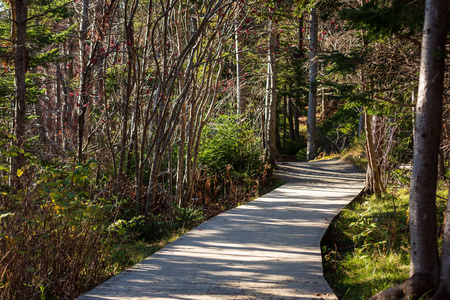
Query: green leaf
pixel 3 168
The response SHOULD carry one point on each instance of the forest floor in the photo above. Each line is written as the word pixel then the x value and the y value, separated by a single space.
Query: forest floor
pixel 268 248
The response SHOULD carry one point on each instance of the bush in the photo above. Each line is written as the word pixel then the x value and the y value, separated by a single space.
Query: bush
pixel 301 155
pixel 339 131
pixel 228 142
pixel 293 147
pixel 52 241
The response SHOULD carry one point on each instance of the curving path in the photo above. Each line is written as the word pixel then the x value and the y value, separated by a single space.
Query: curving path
pixel 266 249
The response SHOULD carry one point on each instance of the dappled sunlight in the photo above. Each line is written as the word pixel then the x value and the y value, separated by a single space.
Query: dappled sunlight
pixel 266 249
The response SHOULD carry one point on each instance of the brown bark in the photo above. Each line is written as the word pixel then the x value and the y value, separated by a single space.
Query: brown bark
pixel 296 122
pixel 291 120
pixel 441 165
pixel 82 98
pixel 20 57
pixel 240 95
pixel 129 87
pixel 373 168
pixel 312 101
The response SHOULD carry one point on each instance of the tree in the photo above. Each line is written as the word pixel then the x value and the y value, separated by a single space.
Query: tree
pixel 19 9
pixel 425 268
pixel 424 254
pixel 271 93
pixel 312 101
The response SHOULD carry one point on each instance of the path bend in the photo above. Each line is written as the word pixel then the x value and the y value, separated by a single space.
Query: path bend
pixel 268 248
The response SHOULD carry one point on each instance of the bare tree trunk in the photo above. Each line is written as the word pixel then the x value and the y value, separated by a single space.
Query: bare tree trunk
pixel 424 268
pixel 312 101
pixel 180 165
pixel 59 108
pixel 20 58
pixel 239 72
pixel 131 80
pixel 426 273
pixel 285 113
pixel 441 165
pixel 296 122
pixel 372 161
pixel 62 108
pixel 361 123
pixel 291 120
pixel 83 77
pixel 271 96
pixel 443 291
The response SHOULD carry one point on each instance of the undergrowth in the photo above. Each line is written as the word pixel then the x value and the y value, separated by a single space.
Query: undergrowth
pixel 67 230
pixel 366 248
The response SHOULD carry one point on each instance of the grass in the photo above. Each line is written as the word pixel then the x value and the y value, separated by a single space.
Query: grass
pixel 366 249
pixel 128 254
pixel 355 156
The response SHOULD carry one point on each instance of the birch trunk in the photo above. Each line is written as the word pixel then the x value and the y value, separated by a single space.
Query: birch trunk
pixel 271 100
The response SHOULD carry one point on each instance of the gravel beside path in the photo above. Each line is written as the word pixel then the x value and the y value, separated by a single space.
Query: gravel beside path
pixel 268 248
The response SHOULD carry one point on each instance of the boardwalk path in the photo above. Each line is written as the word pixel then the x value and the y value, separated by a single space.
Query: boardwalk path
pixel 266 249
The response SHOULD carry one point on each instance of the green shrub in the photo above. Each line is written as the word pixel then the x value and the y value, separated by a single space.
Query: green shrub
pixel 293 147
pixel 339 131
pixel 228 142
pixel 301 154
pixel 53 243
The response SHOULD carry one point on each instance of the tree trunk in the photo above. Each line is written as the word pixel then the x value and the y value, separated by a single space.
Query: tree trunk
pixel 285 113
pixel 441 165
pixel 131 79
pixel 20 58
pixel 425 271
pixel 373 168
pixel 296 122
pixel 443 291
pixel 83 77
pixel 361 123
pixel 271 99
pixel 59 109
pixel 291 120
pixel 424 268
pixel 239 72
pixel 312 101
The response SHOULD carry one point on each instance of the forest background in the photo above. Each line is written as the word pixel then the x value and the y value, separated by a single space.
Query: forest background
pixel 128 121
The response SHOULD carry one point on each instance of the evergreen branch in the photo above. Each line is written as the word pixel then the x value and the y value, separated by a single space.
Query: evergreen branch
pixel 380 99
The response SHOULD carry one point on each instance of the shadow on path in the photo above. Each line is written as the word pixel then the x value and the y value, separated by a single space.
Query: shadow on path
pixel 266 249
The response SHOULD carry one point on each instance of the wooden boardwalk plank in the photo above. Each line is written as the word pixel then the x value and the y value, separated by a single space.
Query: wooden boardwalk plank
pixel 266 249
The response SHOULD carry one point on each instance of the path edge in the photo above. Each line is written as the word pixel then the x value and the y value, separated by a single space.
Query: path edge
pixel 328 230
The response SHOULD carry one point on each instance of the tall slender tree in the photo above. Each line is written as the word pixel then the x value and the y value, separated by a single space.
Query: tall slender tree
pixel 19 9
pixel 424 254
pixel 271 99
pixel 312 100
pixel 425 274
